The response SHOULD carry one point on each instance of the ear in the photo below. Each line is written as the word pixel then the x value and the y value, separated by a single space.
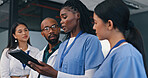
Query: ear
pixel 59 29
pixel 110 25
pixel 14 36
pixel 42 33
pixel 78 15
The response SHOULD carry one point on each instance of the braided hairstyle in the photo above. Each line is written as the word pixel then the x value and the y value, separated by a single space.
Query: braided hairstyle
pixel 85 20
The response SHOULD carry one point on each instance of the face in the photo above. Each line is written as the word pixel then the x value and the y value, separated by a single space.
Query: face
pixel 50 30
pixel 100 27
pixel 69 20
pixel 21 33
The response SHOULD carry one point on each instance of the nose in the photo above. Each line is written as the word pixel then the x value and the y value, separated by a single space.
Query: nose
pixel 94 27
pixel 50 30
pixel 61 22
pixel 24 32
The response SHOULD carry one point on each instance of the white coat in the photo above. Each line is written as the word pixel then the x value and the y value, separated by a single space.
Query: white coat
pixel 10 66
pixel 51 62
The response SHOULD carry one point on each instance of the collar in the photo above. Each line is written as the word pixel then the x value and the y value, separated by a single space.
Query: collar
pixel 118 47
pixel 54 48
pixel 29 48
pixel 57 46
pixel 46 54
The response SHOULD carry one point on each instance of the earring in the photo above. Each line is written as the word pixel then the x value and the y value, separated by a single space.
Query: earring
pixel 16 41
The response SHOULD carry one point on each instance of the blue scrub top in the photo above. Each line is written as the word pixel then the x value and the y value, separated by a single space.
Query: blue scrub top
pixel 125 61
pixel 86 53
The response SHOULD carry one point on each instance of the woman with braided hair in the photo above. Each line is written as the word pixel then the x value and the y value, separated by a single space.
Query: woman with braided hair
pixel 81 54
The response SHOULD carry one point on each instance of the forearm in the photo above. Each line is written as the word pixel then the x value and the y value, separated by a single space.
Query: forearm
pixel 88 74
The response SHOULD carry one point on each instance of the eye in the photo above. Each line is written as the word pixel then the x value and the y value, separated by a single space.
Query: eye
pixel 46 28
pixel 64 17
pixel 19 31
pixel 26 29
pixel 95 23
pixel 53 26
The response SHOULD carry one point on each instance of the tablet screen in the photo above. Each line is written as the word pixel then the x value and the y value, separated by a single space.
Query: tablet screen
pixel 23 57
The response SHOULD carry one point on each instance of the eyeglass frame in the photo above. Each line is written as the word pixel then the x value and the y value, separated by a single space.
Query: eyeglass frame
pixel 47 28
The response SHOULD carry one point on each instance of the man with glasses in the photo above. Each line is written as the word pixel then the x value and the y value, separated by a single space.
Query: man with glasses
pixel 51 31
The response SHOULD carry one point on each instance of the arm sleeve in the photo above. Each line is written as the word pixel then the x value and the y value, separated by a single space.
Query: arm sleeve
pixel 94 55
pixel 5 65
pixel 129 67
pixel 88 74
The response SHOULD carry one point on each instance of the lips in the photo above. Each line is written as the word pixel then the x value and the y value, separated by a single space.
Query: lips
pixel 25 36
pixel 63 27
pixel 52 36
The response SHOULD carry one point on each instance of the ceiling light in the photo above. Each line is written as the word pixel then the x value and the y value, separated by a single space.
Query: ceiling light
pixel 132 5
pixel 1 2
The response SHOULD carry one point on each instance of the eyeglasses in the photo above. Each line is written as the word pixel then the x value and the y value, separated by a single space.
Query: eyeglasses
pixel 47 28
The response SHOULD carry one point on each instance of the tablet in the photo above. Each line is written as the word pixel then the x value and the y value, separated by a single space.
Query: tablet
pixel 23 57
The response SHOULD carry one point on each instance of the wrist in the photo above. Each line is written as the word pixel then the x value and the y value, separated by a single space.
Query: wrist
pixel 55 74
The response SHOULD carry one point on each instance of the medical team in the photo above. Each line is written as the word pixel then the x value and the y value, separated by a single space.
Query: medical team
pixel 80 56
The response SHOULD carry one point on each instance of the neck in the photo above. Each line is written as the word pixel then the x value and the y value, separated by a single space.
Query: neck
pixel 23 46
pixel 74 34
pixel 115 39
pixel 52 45
pixel 75 31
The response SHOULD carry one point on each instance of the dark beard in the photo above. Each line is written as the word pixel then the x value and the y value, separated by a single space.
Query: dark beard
pixel 53 41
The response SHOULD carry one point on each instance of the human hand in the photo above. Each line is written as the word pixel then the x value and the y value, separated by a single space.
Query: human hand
pixel 46 69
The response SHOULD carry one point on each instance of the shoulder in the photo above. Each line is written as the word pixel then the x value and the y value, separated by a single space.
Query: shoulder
pixel 5 50
pixel 5 53
pixel 127 51
pixel 86 35
pixel 33 51
pixel 42 51
pixel 33 48
pixel 90 38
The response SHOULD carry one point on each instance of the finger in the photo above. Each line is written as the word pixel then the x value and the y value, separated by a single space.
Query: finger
pixel 34 66
pixel 31 63
pixel 44 64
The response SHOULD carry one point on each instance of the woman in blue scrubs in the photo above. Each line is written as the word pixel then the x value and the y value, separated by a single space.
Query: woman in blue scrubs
pixel 124 60
pixel 80 55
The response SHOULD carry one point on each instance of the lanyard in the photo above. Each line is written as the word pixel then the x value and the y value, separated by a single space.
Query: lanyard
pixel 65 53
pixel 117 44
pixel 24 65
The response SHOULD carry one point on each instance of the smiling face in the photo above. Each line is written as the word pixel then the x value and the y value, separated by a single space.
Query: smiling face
pixel 50 30
pixel 69 20
pixel 100 27
pixel 21 33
